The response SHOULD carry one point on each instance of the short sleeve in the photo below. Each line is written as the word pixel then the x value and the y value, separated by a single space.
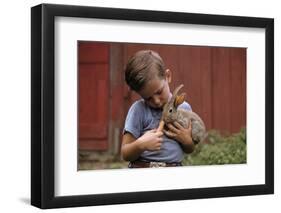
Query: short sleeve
pixel 133 122
pixel 185 106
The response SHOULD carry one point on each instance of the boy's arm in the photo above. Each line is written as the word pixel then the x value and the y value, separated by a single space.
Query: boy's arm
pixel 132 148
pixel 188 147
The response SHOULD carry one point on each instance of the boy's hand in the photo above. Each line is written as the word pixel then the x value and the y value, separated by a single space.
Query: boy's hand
pixel 151 140
pixel 179 133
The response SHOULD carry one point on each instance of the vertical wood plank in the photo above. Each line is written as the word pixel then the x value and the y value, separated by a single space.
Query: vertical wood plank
pixel 238 88
pixel 117 101
pixel 185 74
pixel 205 111
pixel 221 89
pixel 195 79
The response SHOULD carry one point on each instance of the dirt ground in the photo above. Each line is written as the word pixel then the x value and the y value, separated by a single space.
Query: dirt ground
pixel 91 165
pixel 98 160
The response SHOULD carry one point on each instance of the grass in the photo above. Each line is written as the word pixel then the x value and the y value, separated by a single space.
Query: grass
pixel 219 150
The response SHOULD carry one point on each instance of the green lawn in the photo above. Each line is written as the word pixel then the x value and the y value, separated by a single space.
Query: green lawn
pixel 219 149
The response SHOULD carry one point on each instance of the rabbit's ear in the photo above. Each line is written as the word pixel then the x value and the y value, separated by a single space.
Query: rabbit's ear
pixel 177 90
pixel 179 99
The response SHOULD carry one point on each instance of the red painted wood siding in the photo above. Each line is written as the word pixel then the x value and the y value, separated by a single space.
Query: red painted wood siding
pixel 214 79
pixel 93 104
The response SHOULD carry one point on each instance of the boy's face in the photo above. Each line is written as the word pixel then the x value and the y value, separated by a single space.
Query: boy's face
pixel 156 92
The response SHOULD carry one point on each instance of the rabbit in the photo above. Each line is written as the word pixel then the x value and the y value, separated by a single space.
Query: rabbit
pixel 171 113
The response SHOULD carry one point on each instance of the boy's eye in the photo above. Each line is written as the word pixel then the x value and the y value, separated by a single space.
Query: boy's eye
pixel 159 92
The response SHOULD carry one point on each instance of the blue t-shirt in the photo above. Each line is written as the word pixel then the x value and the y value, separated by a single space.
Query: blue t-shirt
pixel 142 118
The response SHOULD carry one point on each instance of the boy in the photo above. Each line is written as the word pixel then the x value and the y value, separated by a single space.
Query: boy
pixel 142 145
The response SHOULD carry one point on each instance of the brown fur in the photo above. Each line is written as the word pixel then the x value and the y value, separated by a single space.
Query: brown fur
pixel 171 113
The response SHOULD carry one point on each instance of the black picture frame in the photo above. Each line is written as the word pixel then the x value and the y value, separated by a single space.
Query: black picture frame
pixel 43 105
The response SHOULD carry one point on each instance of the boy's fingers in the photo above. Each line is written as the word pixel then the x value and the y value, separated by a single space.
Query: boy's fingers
pixel 169 134
pixel 171 127
pixel 177 125
pixel 161 126
pixel 159 133
pixel 158 148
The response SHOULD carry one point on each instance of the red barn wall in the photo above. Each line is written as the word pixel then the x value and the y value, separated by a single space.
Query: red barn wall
pixel 214 80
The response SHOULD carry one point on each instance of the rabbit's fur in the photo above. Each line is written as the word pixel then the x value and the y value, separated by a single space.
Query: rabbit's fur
pixel 171 113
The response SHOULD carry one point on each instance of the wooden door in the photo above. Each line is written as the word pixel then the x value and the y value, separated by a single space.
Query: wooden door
pixel 93 75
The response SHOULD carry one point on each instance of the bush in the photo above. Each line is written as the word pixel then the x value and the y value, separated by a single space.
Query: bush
pixel 219 150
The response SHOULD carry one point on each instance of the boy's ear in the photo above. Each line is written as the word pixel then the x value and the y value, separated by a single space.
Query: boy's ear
pixel 168 75
pixel 179 99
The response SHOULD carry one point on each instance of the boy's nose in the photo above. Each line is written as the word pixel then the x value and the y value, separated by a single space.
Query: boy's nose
pixel 156 101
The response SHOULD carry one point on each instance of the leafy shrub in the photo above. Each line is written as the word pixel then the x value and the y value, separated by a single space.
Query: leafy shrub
pixel 219 150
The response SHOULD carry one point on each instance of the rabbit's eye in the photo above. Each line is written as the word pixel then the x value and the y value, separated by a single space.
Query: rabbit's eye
pixel 171 110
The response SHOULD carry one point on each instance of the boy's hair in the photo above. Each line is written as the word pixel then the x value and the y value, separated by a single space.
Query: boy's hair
pixel 142 67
